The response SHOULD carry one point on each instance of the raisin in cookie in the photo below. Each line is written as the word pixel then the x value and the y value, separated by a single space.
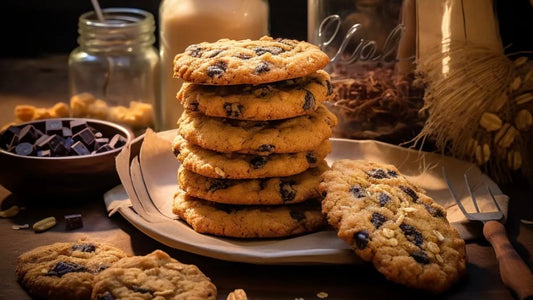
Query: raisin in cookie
pixel 244 166
pixel 153 276
pixel 392 223
pixel 271 101
pixel 264 191
pixel 65 270
pixel 298 134
pixel 245 221
pixel 248 61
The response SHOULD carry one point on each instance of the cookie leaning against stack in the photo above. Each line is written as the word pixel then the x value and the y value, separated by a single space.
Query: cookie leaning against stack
pixel 392 223
pixel 253 137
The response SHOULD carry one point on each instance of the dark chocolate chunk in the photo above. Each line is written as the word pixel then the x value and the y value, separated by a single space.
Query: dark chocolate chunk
pixel 286 190
pixel 105 296
pixel 194 50
pixel 141 290
pixel 66 132
pixel 409 191
pixel 42 142
pixel 258 161
pixel 83 247
pixel 310 157
pixel 44 153
pixel 357 191
pixel 62 268
pixel 217 184
pixel 434 211
pixel 272 50
pixel 378 220
pixel 412 234
pixel 86 136
pixel 28 134
pixel 78 148
pixel 78 125
pixel 310 101
pixel 217 69
pixel 10 135
pixel 99 142
pixel 117 141
pixel 57 146
pixel 361 239
pixel 24 149
pixel 383 199
pixel 103 148
pixel 297 215
pixel 74 221
pixel 377 173
pixel 233 110
pixel 266 148
pixel 263 67
pixel 193 106
pixel 420 257
pixel 53 126
pixel 392 173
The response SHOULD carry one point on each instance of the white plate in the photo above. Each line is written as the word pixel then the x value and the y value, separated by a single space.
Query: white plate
pixel 158 167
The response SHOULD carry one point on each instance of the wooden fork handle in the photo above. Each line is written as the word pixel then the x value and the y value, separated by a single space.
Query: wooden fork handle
pixel 513 270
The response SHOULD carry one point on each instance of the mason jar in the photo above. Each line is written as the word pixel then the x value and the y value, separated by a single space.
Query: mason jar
pixel 114 73
pixel 371 44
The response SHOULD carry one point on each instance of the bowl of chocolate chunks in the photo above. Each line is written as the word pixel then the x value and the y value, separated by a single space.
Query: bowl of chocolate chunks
pixel 63 157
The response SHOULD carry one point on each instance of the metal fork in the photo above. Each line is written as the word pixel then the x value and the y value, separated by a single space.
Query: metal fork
pixel 514 272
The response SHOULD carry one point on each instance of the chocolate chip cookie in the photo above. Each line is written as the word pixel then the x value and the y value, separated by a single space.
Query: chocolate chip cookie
pixel 392 223
pixel 264 191
pixel 153 276
pixel 65 270
pixel 271 101
pixel 248 61
pixel 248 221
pixel 298 134
pixel 244 166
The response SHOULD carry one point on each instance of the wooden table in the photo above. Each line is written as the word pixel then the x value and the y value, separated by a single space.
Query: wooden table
pixel 43 82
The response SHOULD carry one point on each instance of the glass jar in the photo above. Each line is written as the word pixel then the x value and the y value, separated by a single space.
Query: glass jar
pixel 186 22
pixel 114 73
pixel 371 44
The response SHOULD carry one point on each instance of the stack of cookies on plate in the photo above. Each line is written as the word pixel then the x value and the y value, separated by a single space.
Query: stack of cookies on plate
pixel 253 137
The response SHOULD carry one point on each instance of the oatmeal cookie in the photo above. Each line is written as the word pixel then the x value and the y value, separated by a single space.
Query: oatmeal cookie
pixel 297 134
pixel 245 166
pixel 260 61
pixel 153 276
pixel 392 223
pixel 271 101
pixel 65 270
pixel 264 191
pixel 248 221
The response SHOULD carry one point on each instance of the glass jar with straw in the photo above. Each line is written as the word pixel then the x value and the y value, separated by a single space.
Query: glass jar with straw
pixel 114 73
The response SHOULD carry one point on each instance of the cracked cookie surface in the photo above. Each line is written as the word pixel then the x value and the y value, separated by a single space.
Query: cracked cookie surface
pixel 391 222
pixel 272 101
pixel 65 270
pixel 248 61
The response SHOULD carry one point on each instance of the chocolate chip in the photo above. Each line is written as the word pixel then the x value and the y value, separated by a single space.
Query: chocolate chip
pixel 412 234
pixel 392 173
pixel 141 290
pixel 75 221
pixel 377 173
pixel 310 101
pixel 434 211
pixel 383 199
pixel 105 296
pixel 263 67
pixel 10 135
pixel 420 257
pixel 193 106
pixel 409 191
pixel 297 215
pixel 357 191
pixel 217 69
pixel 266 148
pixel 24 149
pixel 272 50
pixel 287 191
pixel 233 110
pixel 62 268
pixel 217 184
pixel 84 248
pixel 361 239
pixel 258 162
pixel 378 220
pixel 311 158
pixel 194 50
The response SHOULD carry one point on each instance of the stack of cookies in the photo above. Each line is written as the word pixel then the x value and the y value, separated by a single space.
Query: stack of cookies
pixel 253 137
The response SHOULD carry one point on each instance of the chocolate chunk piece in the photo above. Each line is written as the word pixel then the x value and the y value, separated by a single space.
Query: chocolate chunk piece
pixel 83 247
pixel 53 126
pixel 66 132
pixel 420 257
pixel 86 136
pixel 297 215
pixel 311 158
pixel 412 234
pixel 357 191
pixel 24 149
pixel 233 110
pixel 217 69
pixel 28 134
pixel 103 148
pixel 310 100
pixel 287 191
pixel 42 142
pixel 383 199
pixel 57 146
pixel 216 185
pixel 409 191
pixel 361 239
pixel 62 268
pixel 117 141
pixel 44 153
pixel 378 219
pixel 78 125
pixel 258 162
pixel 266 148
pixel 263 67
pixel 10 136
pixel 105 296
pixel 78 148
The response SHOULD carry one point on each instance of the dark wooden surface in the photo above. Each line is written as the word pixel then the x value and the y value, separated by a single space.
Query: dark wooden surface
pixel 43 82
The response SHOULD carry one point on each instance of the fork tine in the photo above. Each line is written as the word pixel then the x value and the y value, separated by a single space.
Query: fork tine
pixel 452 192
pixel 493 198
pixel 471 192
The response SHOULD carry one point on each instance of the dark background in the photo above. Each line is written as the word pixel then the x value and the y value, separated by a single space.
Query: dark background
pixel 30 28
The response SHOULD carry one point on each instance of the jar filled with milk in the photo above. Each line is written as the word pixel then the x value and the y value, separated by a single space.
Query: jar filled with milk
pixel 186 22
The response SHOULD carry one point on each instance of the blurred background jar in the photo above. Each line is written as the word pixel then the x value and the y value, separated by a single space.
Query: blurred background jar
pixel 114 73
pixel 371 44
pixel 186 22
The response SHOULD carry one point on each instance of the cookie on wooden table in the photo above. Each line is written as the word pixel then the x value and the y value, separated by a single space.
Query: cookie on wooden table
pixel 392 223
pixel 248 61
pixel 65 270
pixel 240 166
pixel 248 221
pixel 265 191
pixel 299 134
pixel 153 276
pixel 272 101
